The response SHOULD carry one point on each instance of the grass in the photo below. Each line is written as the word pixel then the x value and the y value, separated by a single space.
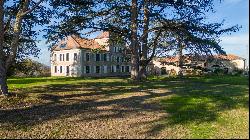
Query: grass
pixel 196 107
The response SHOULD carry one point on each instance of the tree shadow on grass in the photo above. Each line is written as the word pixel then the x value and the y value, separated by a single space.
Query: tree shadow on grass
pixel 201 101
pixel 192 100
pixel 92 101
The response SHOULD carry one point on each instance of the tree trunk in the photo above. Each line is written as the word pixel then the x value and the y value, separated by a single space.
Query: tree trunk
pixel 16 35
pixel 144 48
pixel 135 68
pixel 142 72
pixel 134 43
pixel 3 79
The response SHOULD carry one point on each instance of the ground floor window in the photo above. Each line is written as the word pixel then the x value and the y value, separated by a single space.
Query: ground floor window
pixel 118 68
pixel 87 69
pixel 122 68
pixel 67 69
pixel 60 69
pixel 127 69
pixel 55 69
pixel 97 69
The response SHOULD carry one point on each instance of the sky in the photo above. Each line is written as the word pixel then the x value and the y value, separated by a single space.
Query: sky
pixel 233 11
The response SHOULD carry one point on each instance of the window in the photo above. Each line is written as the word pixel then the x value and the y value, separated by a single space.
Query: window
pixel 97 69
pixel 63 57
pixel 67 69
pixel 75 56
pixel 122 68
pixel 60 57
pixel 97 58
pixel 120 49
pixel 87 69
pixel 87 57
pixel 67 56
pixel 54 57
pixel 117 59
pixel 55 69
pixel 114 49
pixel 118 67
pixel 127 69
pixel 112 69
pixel 105 57
pixel 60 69
pixel 63 46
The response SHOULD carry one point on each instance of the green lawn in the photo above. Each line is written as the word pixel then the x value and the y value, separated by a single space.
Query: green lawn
pixel 191 107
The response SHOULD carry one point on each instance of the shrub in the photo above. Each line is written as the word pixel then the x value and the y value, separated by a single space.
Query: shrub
pixel 172 72
pixel 219 71
pixel 238 72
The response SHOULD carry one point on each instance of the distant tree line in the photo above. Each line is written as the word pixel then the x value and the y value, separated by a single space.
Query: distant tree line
pixel 28 68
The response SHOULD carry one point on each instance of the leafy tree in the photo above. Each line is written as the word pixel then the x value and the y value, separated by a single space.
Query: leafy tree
pixel 29 68
pixel 17 35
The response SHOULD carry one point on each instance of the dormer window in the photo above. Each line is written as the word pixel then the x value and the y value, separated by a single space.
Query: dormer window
pixel 63 46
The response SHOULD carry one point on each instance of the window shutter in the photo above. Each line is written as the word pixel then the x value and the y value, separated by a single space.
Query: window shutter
pixel 83 56
pixel 108 56
pixel 101 57
pixel 92 57
pixel 114 68
pixel 94 69
pixel 104 69
pixel 84 69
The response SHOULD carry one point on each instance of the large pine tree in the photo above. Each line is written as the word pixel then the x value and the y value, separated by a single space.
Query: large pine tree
pixel 149 27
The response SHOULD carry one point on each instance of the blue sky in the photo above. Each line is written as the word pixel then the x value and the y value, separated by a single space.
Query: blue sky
pixel 233 11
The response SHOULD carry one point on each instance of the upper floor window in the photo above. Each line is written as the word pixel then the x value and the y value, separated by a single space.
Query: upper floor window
pixel 63 46
pixel 122 59
pixel 105 57
pixel 120 49
pixel 87 57
pixel 63 57
pixel 60 57
pixel 116 49
pixel 117 59
pixel 75 56
pixel 54 57
pixel 67 56
pixel 97 58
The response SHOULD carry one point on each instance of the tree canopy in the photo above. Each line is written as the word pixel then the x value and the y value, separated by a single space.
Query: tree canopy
pixel 149 27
